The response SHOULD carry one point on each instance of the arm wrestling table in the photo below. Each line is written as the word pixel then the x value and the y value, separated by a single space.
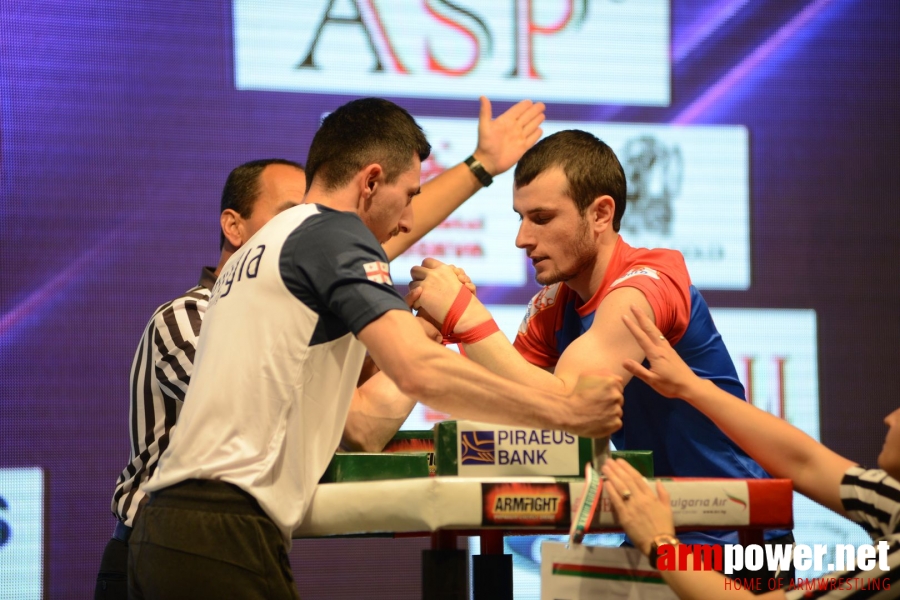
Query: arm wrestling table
pixel 447 507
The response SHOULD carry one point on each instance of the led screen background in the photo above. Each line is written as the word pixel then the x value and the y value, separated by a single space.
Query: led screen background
pixel 120 122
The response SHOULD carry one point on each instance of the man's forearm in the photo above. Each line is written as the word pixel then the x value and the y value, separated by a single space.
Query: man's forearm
pixel 439 198
pixel 450 383
pixel 779 447
pixel 379 407
pixel 498 356
pixel 377 411
pixel 464 389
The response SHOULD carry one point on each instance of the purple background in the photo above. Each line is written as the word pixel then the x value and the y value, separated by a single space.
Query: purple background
pixel 120 122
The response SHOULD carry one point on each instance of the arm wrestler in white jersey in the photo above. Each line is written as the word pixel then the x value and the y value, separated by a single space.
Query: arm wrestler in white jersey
pixel 255 192
pixel 288 324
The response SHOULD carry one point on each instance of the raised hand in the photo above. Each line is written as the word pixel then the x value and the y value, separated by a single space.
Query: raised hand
pixel 503 141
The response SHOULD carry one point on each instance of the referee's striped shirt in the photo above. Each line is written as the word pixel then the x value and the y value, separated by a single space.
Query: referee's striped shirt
pixel 160 375
pixel 871 499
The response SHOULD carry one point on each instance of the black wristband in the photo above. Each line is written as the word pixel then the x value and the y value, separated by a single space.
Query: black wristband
pixel 479 171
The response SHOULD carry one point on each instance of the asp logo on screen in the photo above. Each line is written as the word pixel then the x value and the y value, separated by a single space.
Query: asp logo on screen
pixel 612 51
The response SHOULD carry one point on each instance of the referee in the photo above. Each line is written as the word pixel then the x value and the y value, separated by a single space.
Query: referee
pixel 254 193
pixel 164 361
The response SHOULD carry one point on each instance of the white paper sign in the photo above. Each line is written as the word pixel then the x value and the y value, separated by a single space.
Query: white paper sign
pixel 583 572
pixel 485 450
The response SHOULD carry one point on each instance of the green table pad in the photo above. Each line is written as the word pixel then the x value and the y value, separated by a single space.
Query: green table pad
pixel 366 466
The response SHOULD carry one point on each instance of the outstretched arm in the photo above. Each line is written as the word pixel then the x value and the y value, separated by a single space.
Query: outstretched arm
pixel 450 383
pixel 378 408
pixel 779 447
pixel 377 411
pixel 501 142
pixel 436 285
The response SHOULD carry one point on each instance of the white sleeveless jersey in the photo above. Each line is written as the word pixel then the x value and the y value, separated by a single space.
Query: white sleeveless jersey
pixel 278 360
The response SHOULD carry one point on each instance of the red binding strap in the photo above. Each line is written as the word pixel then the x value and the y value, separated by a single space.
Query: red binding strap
pixel 477 333
pixel 470 336
pixel 456 311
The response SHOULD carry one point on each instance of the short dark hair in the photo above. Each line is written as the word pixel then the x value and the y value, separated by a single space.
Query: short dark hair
pixel 363 132
pixel 591 169
pixel 241 189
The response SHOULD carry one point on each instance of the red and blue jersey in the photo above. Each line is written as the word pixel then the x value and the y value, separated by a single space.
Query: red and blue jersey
pixel 685 443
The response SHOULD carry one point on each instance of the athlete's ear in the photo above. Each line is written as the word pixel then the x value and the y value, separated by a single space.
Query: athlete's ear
pixel 230 221
pixel 373 177
pixel 369 180
pixel 601 212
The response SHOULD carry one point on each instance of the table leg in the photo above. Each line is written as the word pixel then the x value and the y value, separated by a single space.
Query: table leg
pixel 751 536
pixel 492 572
pixel 444 569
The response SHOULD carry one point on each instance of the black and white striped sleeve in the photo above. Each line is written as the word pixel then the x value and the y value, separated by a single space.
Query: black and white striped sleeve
pixel 871 499
pixel 160 375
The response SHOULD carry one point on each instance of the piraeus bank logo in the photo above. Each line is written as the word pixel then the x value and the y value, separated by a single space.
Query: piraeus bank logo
pixel 512 446
pixel 555 50
pixel 477 448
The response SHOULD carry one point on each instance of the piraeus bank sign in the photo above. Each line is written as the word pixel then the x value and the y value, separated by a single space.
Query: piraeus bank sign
pixel 606 51
pixel 488 451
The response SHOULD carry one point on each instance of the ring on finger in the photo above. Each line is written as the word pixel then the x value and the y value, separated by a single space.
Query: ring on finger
pixel 626 495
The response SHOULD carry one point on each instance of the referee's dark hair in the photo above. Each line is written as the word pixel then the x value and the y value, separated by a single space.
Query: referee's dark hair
pixel 360 133
pixel 242 187
pixel 591 167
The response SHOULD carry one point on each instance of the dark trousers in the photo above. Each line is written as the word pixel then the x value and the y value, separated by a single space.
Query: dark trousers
pixel 207 539
pixel 112 580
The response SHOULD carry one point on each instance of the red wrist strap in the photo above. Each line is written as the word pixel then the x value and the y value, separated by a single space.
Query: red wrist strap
pixel 456 311
pixel 470 336
pixel 477 333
